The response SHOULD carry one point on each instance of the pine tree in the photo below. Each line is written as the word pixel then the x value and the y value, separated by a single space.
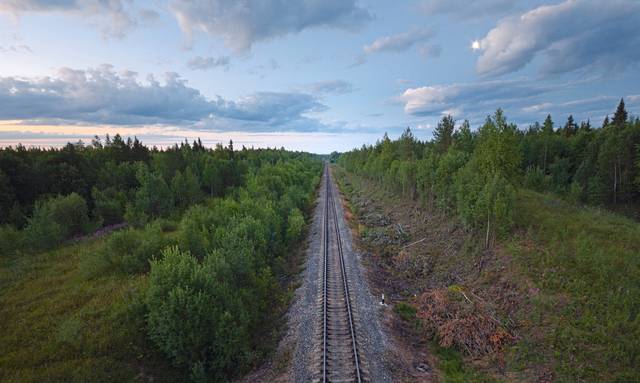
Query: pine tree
pixel 621 115
pixel 443 134
pixel 605 123
pixel 406 144
pixel 570 127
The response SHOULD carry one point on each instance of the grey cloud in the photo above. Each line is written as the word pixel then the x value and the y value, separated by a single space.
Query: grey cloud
pixel 524 100
pixel 103 96
pixel 593 107
pixel 19 48
pixel 331 87
pixel 242 23
pixel 399 42
pixel 438 99
pixel 206 63
pixel 572 35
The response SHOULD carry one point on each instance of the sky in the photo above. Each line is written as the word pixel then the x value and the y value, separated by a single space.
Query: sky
pixel 312 75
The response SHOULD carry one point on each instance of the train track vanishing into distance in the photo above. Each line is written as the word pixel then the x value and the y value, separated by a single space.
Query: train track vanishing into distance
pixel 341 360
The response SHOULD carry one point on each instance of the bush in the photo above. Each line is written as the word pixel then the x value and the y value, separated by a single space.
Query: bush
pixel 71 213
pixel 135 215
pixel 43 230
pixel 153 197
pixel 196 231
pixel 56 219
pixel 576 192
pixel 129 251
pixel 534 179
pixel 10 239
pixel 295 224
pixel 195 316
pixel 109 205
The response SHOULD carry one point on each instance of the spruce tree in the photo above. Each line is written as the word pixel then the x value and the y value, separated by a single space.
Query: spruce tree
pixel 620 117
pixel 443 135
pixel 570 127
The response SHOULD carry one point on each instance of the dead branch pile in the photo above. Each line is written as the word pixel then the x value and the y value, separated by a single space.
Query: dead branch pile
pixel 461 319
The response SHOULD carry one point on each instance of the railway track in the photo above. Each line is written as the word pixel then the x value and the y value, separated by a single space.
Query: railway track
pixel 341 360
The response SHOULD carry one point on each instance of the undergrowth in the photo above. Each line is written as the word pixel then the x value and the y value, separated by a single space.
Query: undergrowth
pixel 58 325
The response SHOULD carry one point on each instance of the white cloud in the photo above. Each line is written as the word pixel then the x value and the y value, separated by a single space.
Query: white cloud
pixel 241 23
pixel 571 35
pixel 115 16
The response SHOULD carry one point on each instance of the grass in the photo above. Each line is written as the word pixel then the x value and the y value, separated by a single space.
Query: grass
pixel 586 263
pixel 58 325
pixel 454 370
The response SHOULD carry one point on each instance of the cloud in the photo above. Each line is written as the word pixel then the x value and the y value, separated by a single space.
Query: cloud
pixel 599 104
pixel 439 99
pixel 335 87
pixel 523 100
pixel 240 24
pixel 116 16
pixel 401 42
pixel 103 96
pixel 19 48
pixel 572 35
pixel 206 63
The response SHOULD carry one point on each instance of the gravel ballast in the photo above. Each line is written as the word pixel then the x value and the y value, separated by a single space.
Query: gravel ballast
pixel 304 316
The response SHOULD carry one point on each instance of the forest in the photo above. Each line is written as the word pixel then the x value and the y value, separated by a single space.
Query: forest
pixel 535 228
pixel 474 174
pixel 209 230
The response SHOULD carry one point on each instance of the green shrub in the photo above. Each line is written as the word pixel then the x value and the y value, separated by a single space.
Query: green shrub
pixel 10 239
pixel 295 225
pixel 43 231
pixel 71 213
pixel 135 215
pixel 196 231
pixel 153 197
pixel 195 316
pixel 130 250
pixel 166 225
pixel 576 192
pixel 405 311
pixel 534 179
pixel 109 205
pixel 56 219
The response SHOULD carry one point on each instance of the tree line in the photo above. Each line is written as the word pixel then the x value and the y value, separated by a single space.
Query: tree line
pixel 475 173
